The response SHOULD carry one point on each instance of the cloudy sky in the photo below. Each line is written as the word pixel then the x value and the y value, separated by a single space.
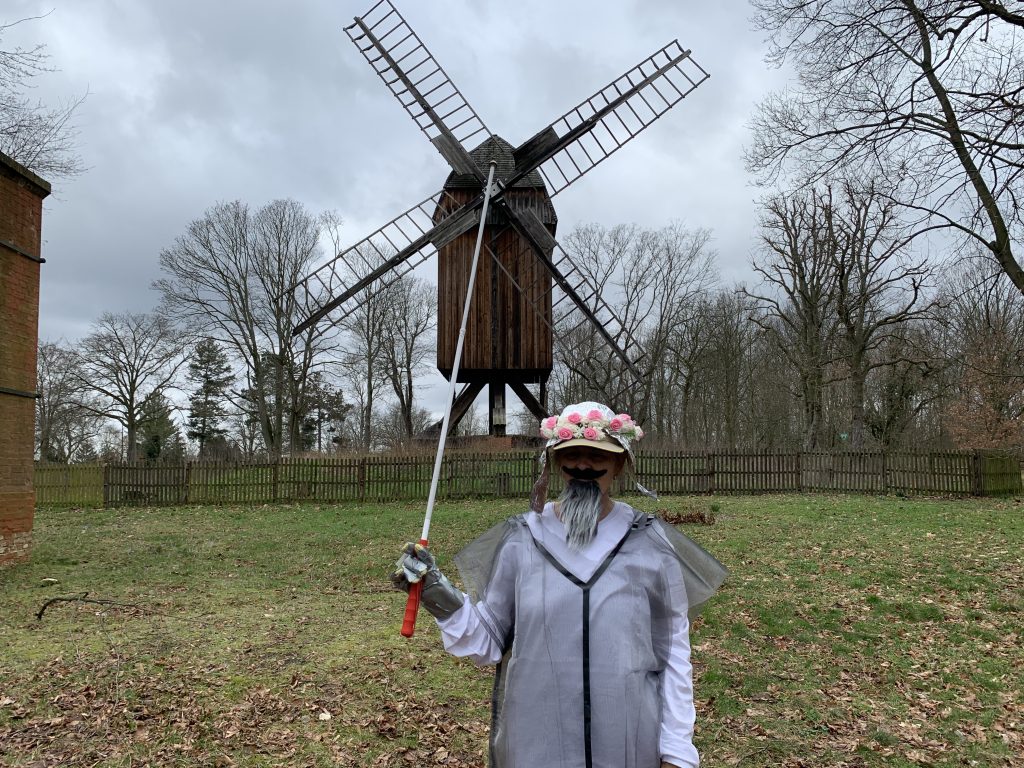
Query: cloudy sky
pixel 198 101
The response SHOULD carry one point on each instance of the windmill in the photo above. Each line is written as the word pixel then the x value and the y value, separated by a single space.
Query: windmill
pixel 527 280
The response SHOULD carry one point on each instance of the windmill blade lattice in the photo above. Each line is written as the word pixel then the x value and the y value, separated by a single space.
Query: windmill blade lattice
pixel 597 311
pixel 383 257
pixel 597 127
pixel 615 374
pixel 570 280
pixel 576 296
pixel 420 84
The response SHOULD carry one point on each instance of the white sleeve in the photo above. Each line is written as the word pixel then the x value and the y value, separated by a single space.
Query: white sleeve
pixel 678 713
pixel 464 634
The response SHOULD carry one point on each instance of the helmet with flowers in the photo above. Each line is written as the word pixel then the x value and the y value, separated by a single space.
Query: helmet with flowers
pixel 586 424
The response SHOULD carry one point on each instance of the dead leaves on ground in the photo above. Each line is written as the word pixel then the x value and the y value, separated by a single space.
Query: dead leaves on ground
pixel 168 714
pixel 873 642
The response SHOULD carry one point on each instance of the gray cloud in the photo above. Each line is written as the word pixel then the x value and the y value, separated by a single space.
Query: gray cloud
pixel 194 102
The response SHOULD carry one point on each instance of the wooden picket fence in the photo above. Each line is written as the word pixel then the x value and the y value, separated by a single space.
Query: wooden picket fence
pixel 69 484
pixel 382 478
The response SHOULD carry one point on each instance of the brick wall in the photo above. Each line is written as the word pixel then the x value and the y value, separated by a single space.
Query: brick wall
pixel 21 212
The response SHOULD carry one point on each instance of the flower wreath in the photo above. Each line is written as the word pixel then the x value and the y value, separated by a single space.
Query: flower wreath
pixel 592 425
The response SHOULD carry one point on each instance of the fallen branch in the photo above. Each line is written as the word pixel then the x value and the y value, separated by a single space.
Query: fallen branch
pixel 84 598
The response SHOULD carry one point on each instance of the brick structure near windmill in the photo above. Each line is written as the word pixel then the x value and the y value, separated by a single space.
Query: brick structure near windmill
pixel 21 214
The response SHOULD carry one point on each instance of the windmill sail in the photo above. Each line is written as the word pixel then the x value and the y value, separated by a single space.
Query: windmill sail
pixel 573 283
pixel 576 301
pixel 597 127
pixel 420 84
pixel 382 258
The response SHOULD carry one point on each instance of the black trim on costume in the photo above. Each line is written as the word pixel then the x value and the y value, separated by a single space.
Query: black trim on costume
pixel 499 673
pixel 585 586
pixel 588 748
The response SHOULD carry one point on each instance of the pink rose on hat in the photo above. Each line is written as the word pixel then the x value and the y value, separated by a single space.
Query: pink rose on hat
pixel 574 418
pixel 564 433
pixel 590 433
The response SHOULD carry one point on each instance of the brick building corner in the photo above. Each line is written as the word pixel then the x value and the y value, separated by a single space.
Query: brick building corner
pixel 21 214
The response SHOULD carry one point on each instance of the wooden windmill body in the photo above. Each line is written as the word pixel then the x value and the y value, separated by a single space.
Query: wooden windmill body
pixel 509 339
pixel 526 282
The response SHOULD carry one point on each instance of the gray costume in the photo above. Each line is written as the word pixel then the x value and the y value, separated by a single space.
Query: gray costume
pixel 579 685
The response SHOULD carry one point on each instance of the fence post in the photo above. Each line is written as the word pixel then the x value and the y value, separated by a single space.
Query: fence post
pixel 711 473
pixel 977 473
pixel 885 471
pixel 275 476
pixel 362 478
pixel 106 485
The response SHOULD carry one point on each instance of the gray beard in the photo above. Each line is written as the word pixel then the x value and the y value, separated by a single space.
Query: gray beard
pixel 580 510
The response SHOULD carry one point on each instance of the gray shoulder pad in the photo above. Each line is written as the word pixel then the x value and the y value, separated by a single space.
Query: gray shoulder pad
pixel 702 573
pixel 476 560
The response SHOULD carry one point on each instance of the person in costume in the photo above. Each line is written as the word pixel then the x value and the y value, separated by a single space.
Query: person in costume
pixel 584 605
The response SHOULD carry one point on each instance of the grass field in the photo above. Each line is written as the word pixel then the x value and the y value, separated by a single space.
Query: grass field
pixel 854 631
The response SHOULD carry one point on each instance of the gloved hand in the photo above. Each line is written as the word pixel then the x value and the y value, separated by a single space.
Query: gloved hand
pixel 439 597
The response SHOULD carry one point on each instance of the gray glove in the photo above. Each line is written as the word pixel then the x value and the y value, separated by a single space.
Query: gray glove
pixel 439 597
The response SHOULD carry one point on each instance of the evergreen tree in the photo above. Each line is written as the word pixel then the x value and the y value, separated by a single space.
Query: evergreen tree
pixel 210 373
pixel 159 439
pixel 86 455
pixel 323 416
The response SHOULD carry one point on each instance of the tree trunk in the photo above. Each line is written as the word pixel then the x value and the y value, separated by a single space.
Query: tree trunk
pixel 131 449
pixel 811 390
pixel 857 384
pixel 368 412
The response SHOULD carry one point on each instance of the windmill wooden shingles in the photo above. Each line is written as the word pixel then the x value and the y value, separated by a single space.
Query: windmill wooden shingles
pixel 508 335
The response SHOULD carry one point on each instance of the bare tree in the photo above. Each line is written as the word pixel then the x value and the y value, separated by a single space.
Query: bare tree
pixel 391 430
pixel 724 371
pixel 411 315
pixel 364 363
pixel 230 274
pixel 65 427
pixel 929 89
pixel 41 138
pixel 523 422
pixel 900 394
pixel 986 318
pixel 125 359
pixel 653 278
pixel 797 302
pixel 686 346
pixel 774 415
pixel 879 288
pixel 473 423
pixel 244 433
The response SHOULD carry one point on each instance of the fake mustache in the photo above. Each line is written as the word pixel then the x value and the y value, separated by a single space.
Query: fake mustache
pixel 581 473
